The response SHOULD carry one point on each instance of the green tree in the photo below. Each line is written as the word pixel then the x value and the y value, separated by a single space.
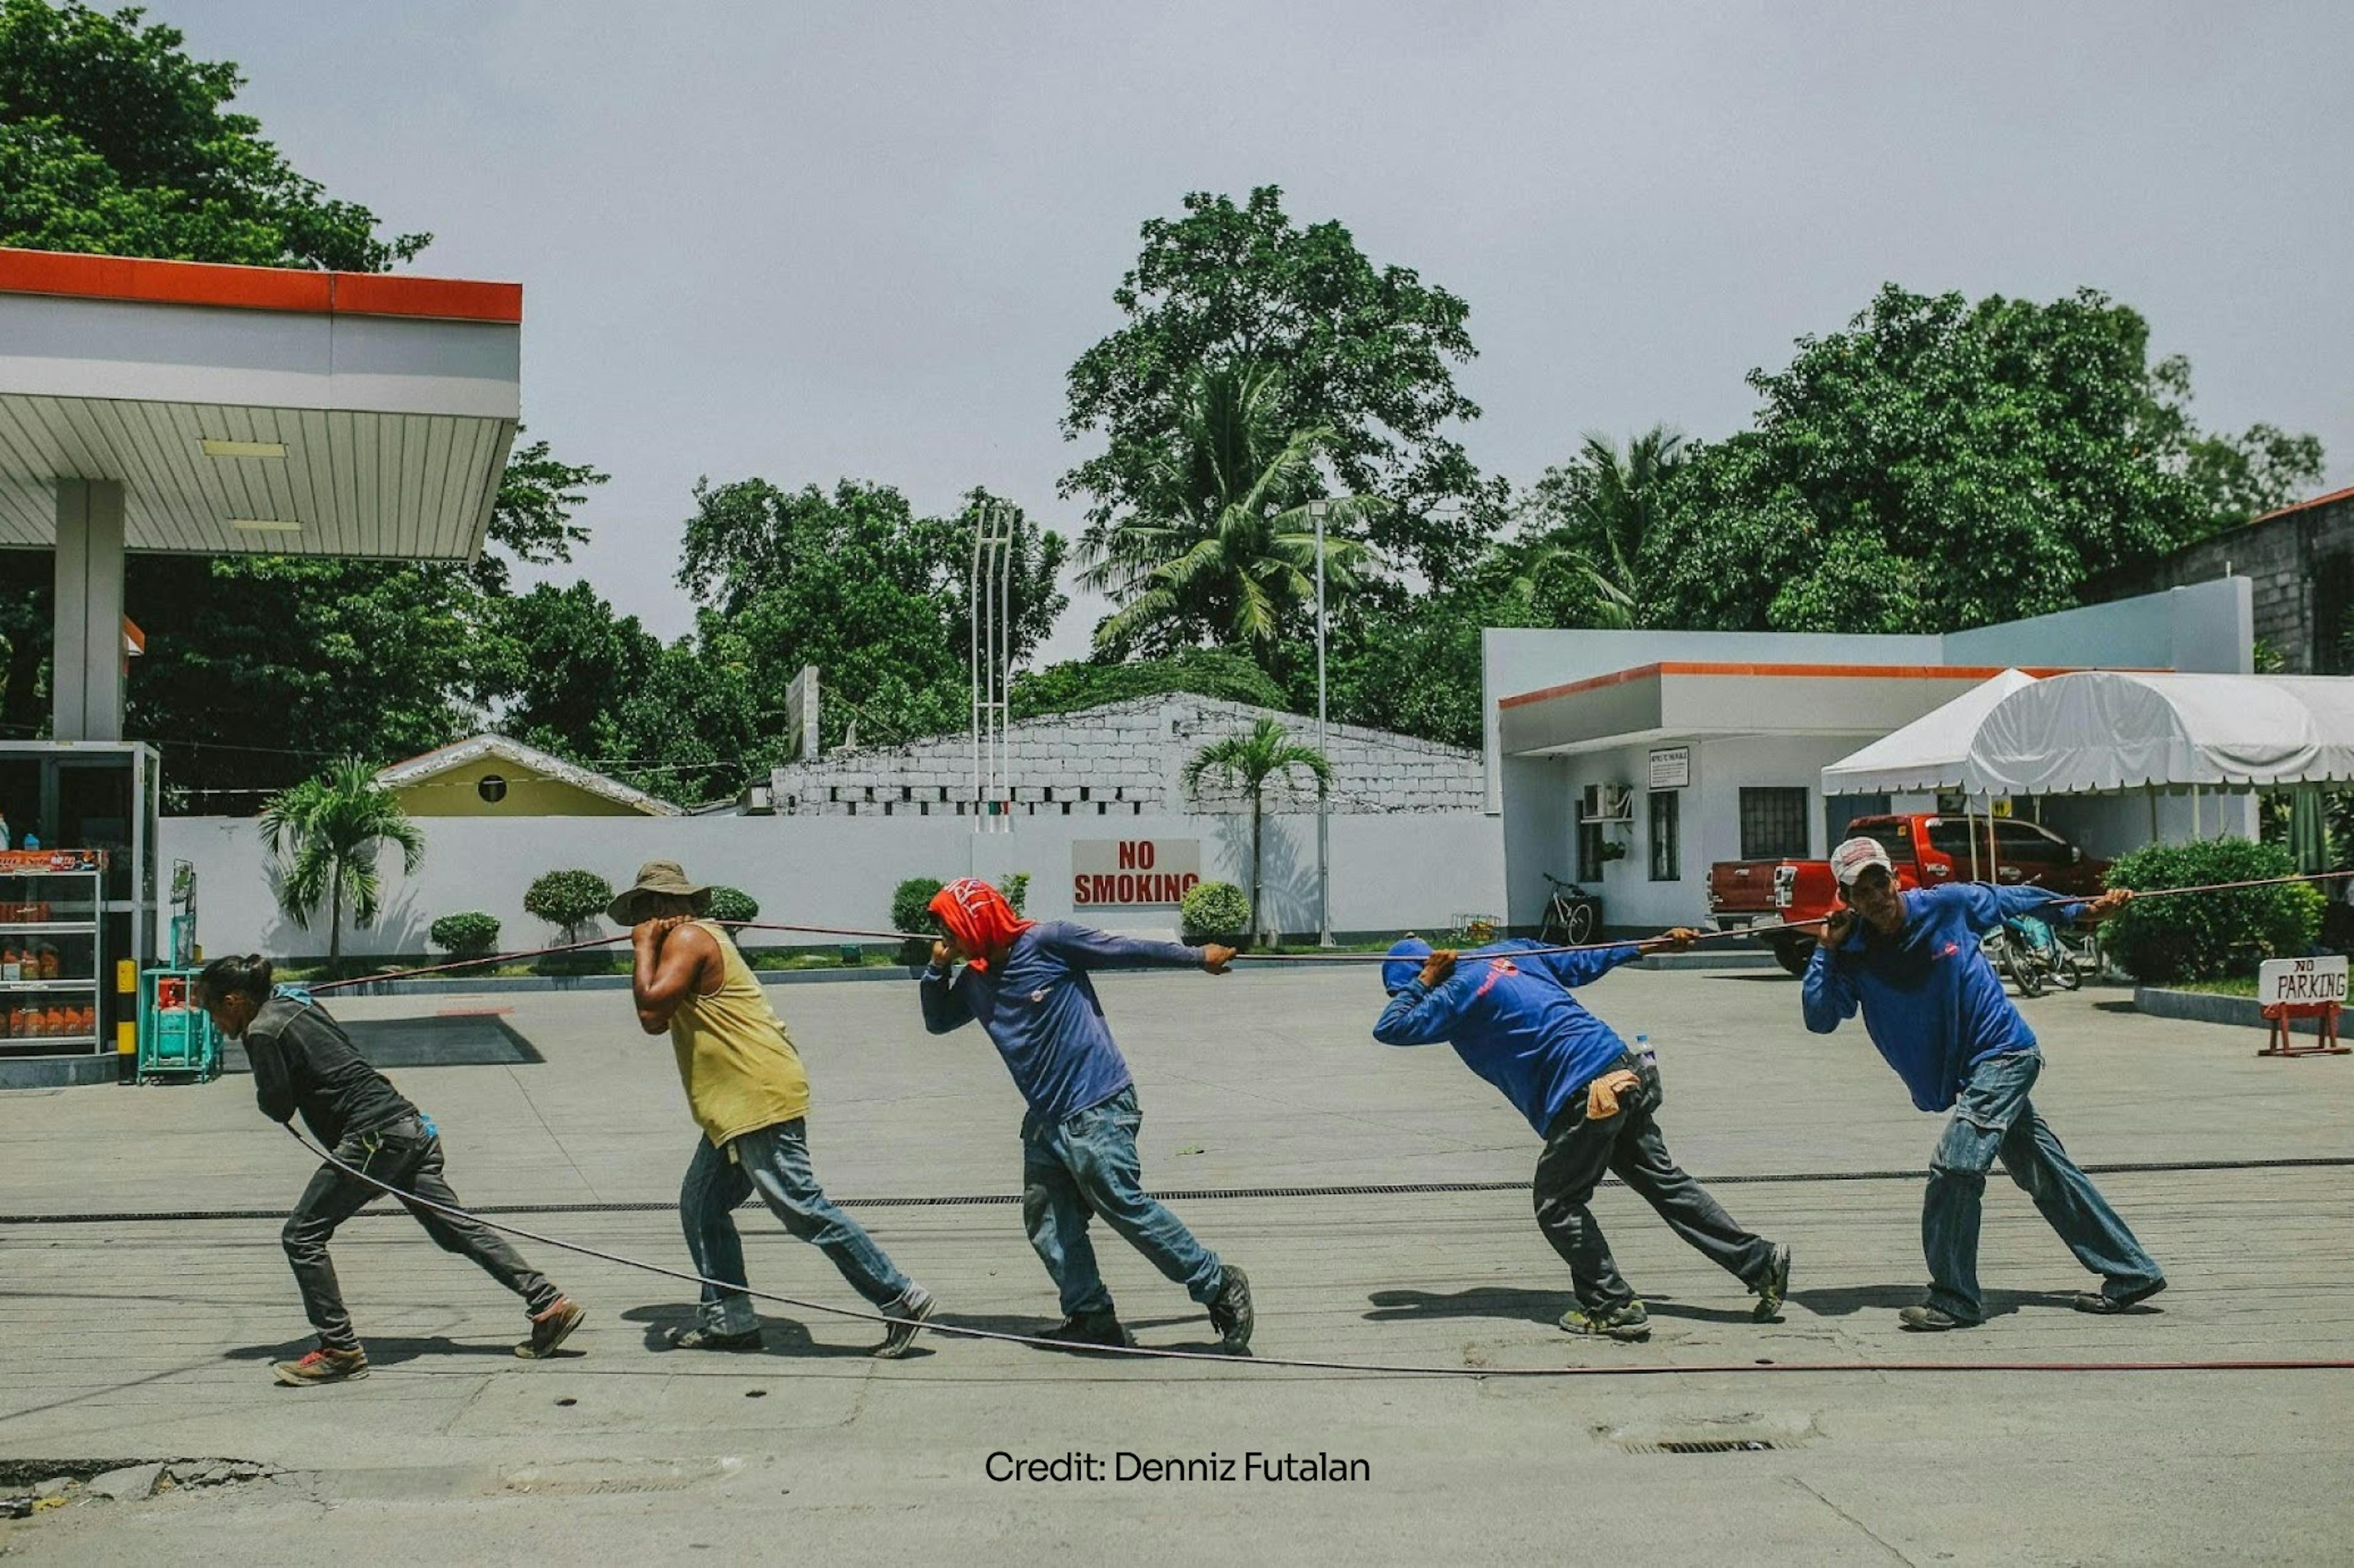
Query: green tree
pixel 112 140
pixel 1583 527
pixel 1368 353
pixel 324 835
pixel 1221 544
pixel 1938 464
pixel 1248 761
pixel 856 584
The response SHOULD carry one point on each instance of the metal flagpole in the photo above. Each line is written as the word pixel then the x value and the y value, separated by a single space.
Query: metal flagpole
pixel 1317 509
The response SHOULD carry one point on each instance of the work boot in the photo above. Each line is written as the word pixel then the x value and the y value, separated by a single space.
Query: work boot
pixel 1230 1313
pixel 1773 1287
pixel 1629 1323
pixel 700 1337
pixel 2101 1304
pixel 1928 1319
pixel 321 1366
pixel 908 1315
pixel 551 1328
pixel 1082 1331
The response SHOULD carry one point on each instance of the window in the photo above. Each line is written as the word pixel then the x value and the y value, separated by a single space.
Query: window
pixel 1666 865
pixel 1838 811
pixel 1589 852
pixel 491 788
pixel 1774 823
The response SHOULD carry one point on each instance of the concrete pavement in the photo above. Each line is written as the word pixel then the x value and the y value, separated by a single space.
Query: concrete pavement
pixel 138 1339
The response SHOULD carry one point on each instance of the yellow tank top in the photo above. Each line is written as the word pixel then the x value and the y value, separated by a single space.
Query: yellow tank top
pixel 739 1066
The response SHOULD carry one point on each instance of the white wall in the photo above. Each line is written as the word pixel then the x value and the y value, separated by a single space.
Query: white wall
pixel 1388 873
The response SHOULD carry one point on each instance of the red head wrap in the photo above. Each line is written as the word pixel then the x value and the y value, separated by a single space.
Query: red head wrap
pixel 979 917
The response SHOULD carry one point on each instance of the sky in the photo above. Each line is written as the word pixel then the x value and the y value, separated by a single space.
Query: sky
pixel 816 241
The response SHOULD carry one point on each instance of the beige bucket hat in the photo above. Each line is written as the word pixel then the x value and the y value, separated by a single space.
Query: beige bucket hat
pixel 656 876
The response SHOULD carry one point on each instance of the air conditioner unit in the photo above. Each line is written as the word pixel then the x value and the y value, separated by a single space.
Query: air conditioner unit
pixel 1607 803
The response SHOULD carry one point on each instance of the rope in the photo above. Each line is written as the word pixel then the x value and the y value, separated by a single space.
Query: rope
pixel 1295 1363
pixel 1753 931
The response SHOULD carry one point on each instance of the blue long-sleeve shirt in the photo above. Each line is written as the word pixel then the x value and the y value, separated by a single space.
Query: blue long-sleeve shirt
pixel 1509 1014
pixel 1040 1011
pixel 1930 1002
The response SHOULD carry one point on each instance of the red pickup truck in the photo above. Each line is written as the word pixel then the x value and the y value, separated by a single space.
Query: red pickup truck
pixel 1926 849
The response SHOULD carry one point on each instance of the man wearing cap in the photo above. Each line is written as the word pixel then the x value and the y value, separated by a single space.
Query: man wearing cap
pixel 1028 984
pixel 747 1089
pixel 1934 1008
pixel 1506 1010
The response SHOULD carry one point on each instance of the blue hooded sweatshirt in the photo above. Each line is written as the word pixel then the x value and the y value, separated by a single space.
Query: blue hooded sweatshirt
pixel 1508 1012
pixel 1930 1002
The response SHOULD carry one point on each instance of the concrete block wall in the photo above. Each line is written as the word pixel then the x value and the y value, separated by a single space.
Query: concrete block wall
pixel 1129 759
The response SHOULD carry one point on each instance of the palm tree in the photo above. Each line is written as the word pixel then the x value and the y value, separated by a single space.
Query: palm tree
pixel 1223 548
pixel 1598 507
pixel 325 834
pixel 1248 760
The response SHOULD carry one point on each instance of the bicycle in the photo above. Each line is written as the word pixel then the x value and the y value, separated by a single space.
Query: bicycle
pixel 1569 914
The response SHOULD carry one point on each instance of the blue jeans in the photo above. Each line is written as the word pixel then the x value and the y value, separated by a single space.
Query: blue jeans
pixel 1086 1165
pixel 775 1162
pixel 1993 1117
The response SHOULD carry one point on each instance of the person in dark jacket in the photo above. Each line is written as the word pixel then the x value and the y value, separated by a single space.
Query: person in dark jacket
pixel 304 1062
pixel 1027 984
pixel 1936 1010
pixel 1506 1010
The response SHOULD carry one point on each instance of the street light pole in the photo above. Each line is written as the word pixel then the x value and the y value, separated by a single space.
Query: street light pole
pixel 1323 795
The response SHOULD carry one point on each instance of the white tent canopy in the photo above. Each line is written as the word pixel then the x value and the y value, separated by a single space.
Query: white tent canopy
pixel 2102 730
pixel 1931 753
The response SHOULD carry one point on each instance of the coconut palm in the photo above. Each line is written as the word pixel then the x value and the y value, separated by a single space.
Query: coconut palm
pixel 325 834
pixel 1592 514
pixel 1247 760
pixel 1224 548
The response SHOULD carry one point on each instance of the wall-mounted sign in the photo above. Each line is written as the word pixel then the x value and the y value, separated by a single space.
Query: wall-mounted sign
pixel 2301 981
pixel 1672 767
pixel 1132 872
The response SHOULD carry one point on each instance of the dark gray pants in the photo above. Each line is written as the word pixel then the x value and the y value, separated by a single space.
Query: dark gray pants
pixel 405 1157
pixel 1578 1152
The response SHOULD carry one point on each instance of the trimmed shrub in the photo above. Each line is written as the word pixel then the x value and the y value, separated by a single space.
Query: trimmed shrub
pixel 1016 888
pixel 472 934
pixel 569 899
pixel 910 911
pixel 2207 935
pixel 1214 912
pixel 734 903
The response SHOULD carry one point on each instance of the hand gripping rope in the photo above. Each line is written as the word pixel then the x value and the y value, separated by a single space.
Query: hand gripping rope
pixel 1295 1363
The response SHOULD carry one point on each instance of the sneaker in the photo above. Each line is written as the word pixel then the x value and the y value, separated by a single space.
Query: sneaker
pixel 551 1328
pixel 2100 1303
pixel 1081 1329
pixel 908 1314
pixel 1773 1287
pixel 1931 1320
pixel 1629 1322
pixel 322 1365
pixel 696 1336
pixel 1230 1313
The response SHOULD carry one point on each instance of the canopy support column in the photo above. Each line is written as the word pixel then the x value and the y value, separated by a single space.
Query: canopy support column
pixel 86 660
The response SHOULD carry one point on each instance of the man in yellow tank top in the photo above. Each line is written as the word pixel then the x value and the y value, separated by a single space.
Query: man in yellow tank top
pixel 748 1091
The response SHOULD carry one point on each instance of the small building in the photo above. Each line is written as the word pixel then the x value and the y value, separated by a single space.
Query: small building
pixel 1632 761
pixel 491 776
pixel 2300 563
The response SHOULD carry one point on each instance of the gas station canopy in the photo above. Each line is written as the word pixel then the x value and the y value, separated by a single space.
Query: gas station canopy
pixel 179 406
pixel 256 408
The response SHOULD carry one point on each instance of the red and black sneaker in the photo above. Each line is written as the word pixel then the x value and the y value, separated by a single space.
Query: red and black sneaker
pixel 550 1329
pixel 321 1366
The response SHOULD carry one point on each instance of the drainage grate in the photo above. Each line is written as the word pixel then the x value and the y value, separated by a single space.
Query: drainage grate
pixel 1704 1446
